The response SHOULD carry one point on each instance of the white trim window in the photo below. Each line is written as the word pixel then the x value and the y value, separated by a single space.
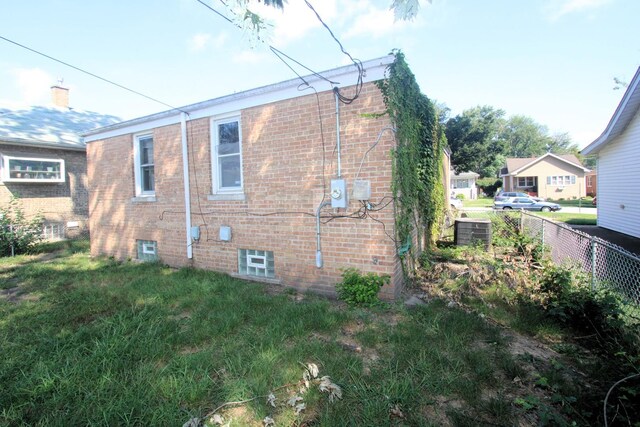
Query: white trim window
pixel 226 155
pixel 144 165
pixel 34 170
pixel 561 180
pixel 526 181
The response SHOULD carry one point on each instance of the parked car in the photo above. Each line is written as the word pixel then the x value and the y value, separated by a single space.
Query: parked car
pixel 503 195
pixel 455 203
pixel 526 203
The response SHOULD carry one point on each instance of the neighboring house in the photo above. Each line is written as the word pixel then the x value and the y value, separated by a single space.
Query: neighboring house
pixel 464 183
pixel 618 160
pixel 550 176
pixel 591 183
pixel 235 184
pixel 43 162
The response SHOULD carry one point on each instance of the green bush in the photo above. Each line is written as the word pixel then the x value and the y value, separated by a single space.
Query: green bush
pixel 569 299
pixel 460 196
pixel 489 186
pixel 358 289
pixel 16 231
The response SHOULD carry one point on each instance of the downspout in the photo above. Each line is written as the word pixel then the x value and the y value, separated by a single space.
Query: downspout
pixel 187 191
pixel 318 248
pixel 335 92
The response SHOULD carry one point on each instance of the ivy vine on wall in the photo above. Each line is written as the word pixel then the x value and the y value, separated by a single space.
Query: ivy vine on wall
pixel 417 168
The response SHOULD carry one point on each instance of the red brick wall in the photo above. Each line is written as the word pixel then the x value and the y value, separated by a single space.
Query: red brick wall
pixel 57 202
pixel 282 172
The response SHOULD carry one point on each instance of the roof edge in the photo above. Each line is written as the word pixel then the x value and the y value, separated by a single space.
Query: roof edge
pixel 347 71
pixel 51 146
pixel 603 139
pixel 536 160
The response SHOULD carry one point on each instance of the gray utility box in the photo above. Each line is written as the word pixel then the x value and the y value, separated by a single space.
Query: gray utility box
pixel 469 231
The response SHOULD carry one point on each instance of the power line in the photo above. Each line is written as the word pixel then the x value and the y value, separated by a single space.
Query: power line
pixel 277 52
pixel 91 74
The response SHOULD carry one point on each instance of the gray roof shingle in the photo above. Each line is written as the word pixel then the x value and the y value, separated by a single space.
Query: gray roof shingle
pixel 50 126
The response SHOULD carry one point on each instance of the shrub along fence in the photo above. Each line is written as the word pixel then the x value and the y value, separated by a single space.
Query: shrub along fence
pixel 607 266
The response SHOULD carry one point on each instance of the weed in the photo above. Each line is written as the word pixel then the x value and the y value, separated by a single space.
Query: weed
pixel 358 289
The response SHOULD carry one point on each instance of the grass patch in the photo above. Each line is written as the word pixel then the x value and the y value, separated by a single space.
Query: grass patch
pixel 480 202
pixel 570 218
pixel 109 343
pixel 585 202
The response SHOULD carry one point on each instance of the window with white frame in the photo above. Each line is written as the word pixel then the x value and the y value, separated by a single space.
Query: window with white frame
pixel 561 180
pixel 590 180
pixel 144 165
pixel 256 263
pixel 526 181
pixel 147 250
pixel 53 231
pixel 460 183
pixel 26 169
pixel 227 155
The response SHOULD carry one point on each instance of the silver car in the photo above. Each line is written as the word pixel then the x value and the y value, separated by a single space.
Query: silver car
pixel 526 203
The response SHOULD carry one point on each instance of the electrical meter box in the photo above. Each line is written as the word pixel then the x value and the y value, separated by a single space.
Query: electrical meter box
pixel 361 189
pixel 338 193
pixel 225 233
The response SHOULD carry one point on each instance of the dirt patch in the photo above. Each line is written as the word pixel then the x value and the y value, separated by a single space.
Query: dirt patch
pixel 522 345
pixel 17 294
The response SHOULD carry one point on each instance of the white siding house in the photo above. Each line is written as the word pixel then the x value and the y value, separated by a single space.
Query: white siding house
pixel 465 184
pixel 618 154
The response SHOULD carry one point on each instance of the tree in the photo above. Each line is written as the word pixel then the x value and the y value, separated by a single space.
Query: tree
pixel 523 137
pixel 481 139
pixel 403 10
pixel 474 139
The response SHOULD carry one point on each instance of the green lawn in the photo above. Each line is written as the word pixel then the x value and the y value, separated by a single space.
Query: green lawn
pixel 585 202
pixel 481 202
pixel 570 218
pixel 98 342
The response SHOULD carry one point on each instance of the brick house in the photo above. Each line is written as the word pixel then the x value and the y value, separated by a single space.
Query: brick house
pixel 43 162
pixel 235 184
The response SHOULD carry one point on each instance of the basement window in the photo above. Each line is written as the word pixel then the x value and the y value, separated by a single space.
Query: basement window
pixel 252 262
pixel 25 169
pixel 147 250
pixel 53 231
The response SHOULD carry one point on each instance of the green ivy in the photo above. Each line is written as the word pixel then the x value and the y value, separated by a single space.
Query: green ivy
pixel 417 169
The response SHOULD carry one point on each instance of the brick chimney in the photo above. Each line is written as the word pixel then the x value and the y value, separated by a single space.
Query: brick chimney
pixel 60 95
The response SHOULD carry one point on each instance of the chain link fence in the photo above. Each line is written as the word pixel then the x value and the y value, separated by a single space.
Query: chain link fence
pixel 608 266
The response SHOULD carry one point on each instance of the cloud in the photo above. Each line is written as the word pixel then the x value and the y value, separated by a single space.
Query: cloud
pixel 296 20
pixel 367 20
pixel 249 57
pixel 201 41
pixel 559 8
pixel 32 86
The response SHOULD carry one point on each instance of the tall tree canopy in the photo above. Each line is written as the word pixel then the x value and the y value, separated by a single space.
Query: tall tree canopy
pixel 481 138
pixel 474 139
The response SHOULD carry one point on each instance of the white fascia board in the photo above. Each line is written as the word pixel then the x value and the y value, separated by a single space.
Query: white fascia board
pixel 603 139
pixel 345 76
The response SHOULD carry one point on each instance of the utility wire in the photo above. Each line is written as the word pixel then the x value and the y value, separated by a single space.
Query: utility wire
pixel 91 74
pixel 277 52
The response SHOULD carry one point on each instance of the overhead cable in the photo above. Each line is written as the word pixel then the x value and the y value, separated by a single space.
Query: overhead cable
pixel 92 74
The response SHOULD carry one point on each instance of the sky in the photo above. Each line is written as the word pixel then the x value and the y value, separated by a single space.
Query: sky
pixel 551 60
